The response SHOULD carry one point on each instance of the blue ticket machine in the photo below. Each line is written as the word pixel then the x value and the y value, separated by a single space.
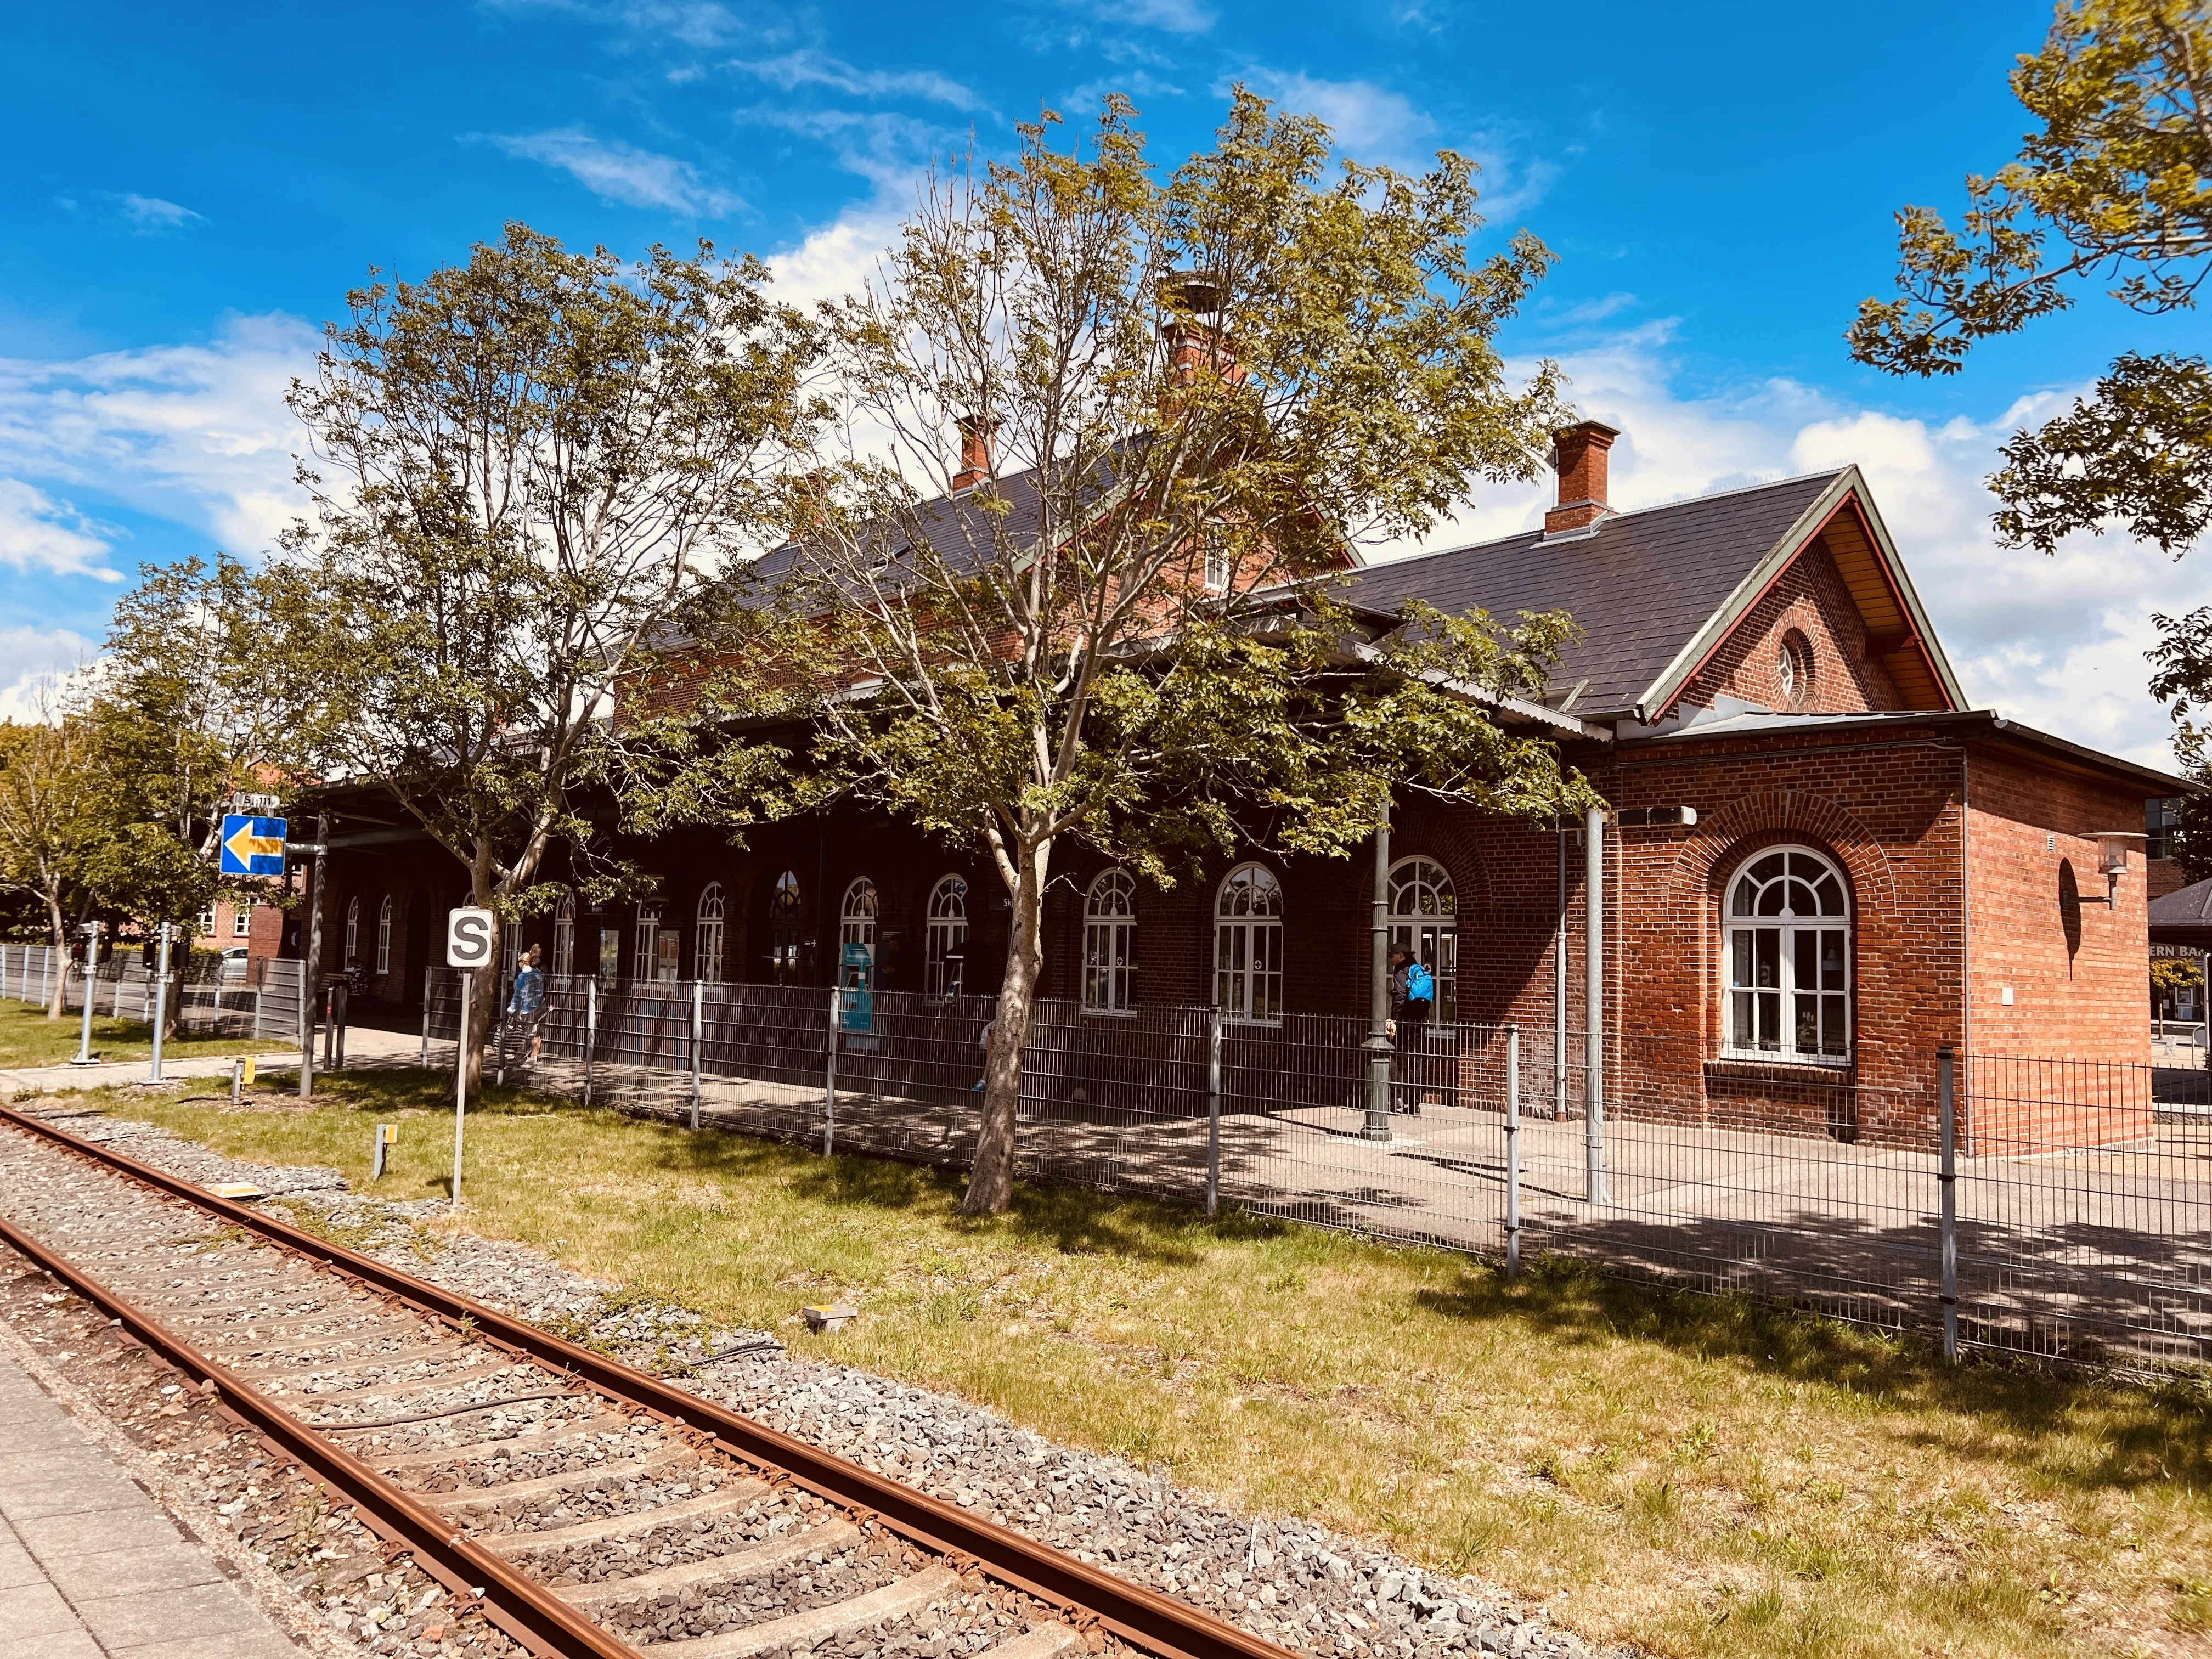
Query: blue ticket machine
pixel 856 1005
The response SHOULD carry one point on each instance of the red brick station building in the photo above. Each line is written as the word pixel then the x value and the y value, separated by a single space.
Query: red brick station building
pixel 1820 864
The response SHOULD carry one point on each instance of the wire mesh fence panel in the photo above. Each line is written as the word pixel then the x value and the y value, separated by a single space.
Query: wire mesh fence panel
pixel 2085 1209
pixel 1729 1174
pixel 2084 1197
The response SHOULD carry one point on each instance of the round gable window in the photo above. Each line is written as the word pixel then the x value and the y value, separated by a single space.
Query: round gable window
pixel 1793 669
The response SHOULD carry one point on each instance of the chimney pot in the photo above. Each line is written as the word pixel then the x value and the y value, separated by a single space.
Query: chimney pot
pixel 975 452
pixel 1579 456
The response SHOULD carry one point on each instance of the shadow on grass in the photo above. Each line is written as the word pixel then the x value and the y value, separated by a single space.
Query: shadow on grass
pixel 2094 1430
pixel 2079 1428
pixel 1072 1220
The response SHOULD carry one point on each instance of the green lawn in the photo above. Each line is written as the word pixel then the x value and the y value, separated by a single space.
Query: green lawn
pixel 28 1037
pixel 1700 1475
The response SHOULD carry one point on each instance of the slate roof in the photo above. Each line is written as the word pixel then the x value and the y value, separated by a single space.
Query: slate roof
pixel 2190 907
pixel 1641 586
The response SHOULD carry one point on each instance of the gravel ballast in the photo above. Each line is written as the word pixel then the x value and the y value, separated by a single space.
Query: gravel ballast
pixel 1288 1581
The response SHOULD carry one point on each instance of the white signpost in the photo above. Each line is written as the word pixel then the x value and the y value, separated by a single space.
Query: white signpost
pixel 469 932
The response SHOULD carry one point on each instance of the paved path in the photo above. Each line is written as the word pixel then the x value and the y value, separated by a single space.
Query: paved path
pixel 90 1566
pixel 362 1046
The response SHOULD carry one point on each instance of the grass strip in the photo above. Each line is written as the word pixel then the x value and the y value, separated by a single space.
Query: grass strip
pixel 1702 1475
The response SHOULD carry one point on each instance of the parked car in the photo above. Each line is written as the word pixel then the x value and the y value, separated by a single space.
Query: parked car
pixel 233 963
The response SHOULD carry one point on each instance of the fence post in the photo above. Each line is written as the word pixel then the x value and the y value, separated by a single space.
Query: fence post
pixel 698 1023
pixel 1212 1110
pixel 341 1024
pixel 426 1019
pixel 829 1093
pixel 161 1008
pixel 237 1080
pixel 591 1030
pixel 1948 1178
pixel 45 976
pixel 1512 1152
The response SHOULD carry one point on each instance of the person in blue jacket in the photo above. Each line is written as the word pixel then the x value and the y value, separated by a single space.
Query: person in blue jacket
pixel 527 1006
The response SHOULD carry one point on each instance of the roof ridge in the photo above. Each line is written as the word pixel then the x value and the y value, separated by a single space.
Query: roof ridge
pixel 1624 513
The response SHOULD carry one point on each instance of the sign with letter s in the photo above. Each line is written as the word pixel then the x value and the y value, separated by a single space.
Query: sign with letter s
pixel 468 938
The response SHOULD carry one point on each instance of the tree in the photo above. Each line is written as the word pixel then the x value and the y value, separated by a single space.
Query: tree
pixel 530 466
pixel 2118 174
pixel 179 726
pixel 50 821
pixel 1109 436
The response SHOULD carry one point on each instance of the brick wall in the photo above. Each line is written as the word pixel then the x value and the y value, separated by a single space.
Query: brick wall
pixel 1896 810
pixel 1809 605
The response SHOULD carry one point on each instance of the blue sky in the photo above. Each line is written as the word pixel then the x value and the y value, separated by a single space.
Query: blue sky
pixel 191 189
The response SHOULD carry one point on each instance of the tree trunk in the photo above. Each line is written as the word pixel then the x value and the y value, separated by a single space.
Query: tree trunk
pixel 60 925
pixel 991 1188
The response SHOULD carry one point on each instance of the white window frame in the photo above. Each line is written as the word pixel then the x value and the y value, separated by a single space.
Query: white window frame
pixel 384 936
pixel 707 940
pixel 241 922
pixel 645 949
pixel 564 935
pixel 1247 946
pixel 204 924
pixel 1423 916
pixel 353 930
pixel 944 939
pixel 1763 954
pixel 1110 944
pixel 856 918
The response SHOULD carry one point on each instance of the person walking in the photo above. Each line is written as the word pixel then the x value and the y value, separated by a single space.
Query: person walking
pixel 527 1006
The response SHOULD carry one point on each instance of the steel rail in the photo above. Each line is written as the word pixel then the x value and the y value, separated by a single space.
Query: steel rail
pixel 539 1619
pixel 1143 1617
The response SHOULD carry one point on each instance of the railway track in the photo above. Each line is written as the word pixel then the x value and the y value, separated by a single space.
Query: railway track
pixel 580 1506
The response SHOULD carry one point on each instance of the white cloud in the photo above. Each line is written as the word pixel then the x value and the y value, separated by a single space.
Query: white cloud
pixel 38 532
pixel 615 172
pixel 1175 17
pixel 840 257
pixel 1371 123
pixel 151 214
pixel 39 658
pixel 814 69
pixel 198 434
pixel 2056 643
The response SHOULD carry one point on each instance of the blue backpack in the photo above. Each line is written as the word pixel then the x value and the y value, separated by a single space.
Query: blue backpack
pixel 1420 985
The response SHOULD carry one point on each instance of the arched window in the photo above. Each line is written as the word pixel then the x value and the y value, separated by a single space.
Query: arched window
pixel 856 922
pixel 645 953
pixel 1110 944
pixel 384 936
pixel 352 931
pixel 1788 922
pixel 1424 924
pixel 564 936
pixel 786 924
pixel 945 940
pixel 1247 944
pixel 707 941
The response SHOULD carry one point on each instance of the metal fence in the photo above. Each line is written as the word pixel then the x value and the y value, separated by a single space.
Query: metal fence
pixel 2079 1220
pixel 256 998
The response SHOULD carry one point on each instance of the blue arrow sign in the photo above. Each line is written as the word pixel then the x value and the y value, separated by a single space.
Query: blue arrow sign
pixel 252 846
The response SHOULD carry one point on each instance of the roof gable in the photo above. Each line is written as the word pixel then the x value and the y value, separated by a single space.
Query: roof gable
pixel 1658 591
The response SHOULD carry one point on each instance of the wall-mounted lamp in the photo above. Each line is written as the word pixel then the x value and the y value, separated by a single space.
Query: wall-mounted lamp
pixel 2113 862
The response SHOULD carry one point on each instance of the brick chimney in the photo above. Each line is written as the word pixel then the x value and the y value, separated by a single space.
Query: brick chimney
pixel 975 452
pixel 1578 456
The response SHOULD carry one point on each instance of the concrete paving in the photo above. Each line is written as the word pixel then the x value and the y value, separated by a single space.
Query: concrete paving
pixel 364 1047
pixel 91 1566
